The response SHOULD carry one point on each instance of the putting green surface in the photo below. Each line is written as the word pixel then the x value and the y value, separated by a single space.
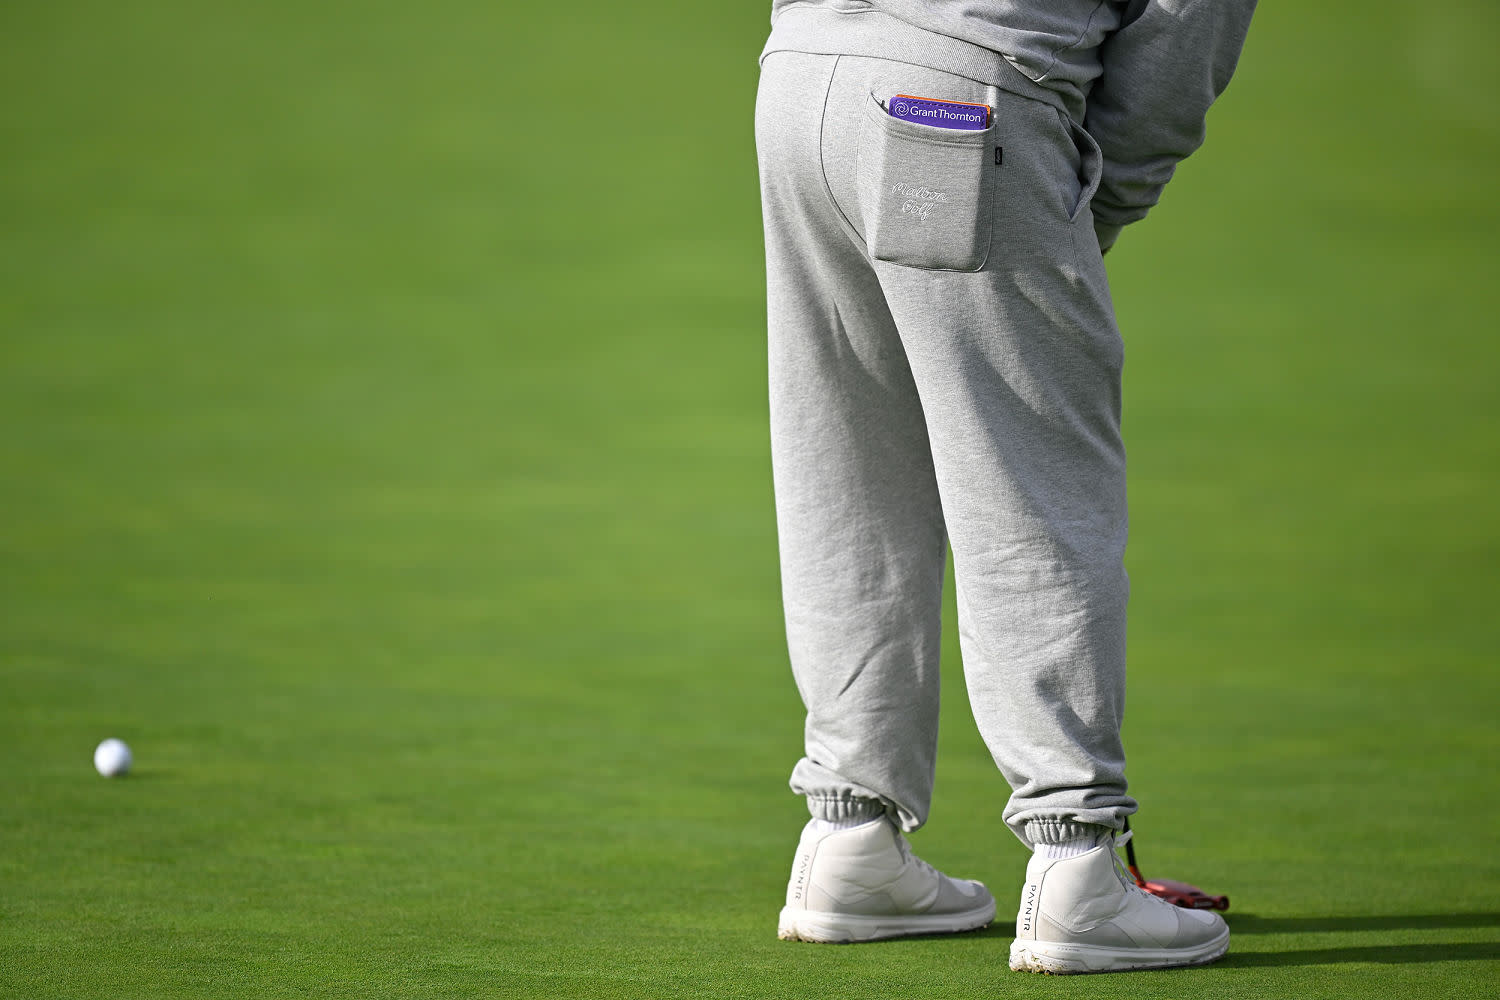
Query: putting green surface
pixel 384 459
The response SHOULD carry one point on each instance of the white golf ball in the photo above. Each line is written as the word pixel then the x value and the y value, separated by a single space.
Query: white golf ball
pixel 112 757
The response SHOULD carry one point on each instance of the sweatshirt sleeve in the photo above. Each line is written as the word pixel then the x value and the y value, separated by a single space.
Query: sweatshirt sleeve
pixel 1163 67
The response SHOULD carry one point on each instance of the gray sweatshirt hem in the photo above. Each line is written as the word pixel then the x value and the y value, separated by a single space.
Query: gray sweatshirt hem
pixel 872 33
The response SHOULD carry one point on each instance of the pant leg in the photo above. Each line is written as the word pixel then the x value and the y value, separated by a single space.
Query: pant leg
pixel 858 516
pixel 1010 336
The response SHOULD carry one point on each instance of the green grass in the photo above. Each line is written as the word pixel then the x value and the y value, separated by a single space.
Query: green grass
pixel 384 459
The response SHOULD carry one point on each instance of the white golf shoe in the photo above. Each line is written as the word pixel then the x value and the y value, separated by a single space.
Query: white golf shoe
pixel 864 884
pixel 1085 914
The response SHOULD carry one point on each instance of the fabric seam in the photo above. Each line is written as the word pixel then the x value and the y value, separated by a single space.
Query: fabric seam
pixel 822 167
pixel 1057 56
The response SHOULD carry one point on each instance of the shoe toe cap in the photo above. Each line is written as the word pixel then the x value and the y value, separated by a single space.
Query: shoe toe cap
pixel 960 895
pixel 1196 926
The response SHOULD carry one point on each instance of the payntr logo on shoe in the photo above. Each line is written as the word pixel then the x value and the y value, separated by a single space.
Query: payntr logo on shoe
pixel 799 878
pixel 1029 907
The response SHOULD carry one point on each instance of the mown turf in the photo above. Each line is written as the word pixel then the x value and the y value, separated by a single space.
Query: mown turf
pixel 383 457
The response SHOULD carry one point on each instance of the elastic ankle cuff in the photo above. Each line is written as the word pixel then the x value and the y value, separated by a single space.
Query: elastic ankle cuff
pixel 1060 831
pixel 845 809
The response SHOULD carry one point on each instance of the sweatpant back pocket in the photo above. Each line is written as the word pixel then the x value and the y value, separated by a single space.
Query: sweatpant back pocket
pixel 924 193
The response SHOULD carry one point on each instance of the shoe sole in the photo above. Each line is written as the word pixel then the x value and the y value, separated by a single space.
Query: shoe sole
pixel 1056 959
pixel 847 928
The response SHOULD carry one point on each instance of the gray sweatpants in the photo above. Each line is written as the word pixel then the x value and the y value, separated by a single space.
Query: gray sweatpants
pixel 944 370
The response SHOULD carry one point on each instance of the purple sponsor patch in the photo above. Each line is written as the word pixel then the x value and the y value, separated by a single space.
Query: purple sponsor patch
pixel 941 114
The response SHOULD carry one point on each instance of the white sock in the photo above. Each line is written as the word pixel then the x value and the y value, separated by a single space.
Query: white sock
pixel 1065 850
pixel 832 825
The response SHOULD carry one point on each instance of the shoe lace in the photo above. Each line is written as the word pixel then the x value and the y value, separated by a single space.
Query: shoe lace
pixel 912 859
pixel 1122 870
